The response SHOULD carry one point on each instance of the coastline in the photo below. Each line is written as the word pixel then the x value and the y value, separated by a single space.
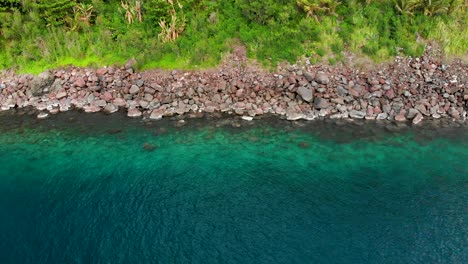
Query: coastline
pixel 406 90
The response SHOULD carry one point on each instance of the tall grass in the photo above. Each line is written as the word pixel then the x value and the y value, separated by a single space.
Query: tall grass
pixel 272 31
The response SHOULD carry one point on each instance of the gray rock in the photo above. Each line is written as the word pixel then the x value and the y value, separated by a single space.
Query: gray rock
pixel 110 108
pixel 134 89
pixel 140 83
pixel 411 113
pixel 305 93
pixel 382 116
pixel 292 116
pixel 38 83
pixel 357 114
pixel 322 77
pixel 309 77
pixel 100 103
pixel 341 90
pixel 130 64
pixel 321 103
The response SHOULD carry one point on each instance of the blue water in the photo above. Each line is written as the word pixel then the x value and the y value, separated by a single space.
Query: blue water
pixel 79 188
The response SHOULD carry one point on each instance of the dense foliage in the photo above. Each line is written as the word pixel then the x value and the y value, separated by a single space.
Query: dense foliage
pixel 35 34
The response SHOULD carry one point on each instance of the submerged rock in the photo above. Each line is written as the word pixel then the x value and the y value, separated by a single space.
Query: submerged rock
pixel 148 146
pixel 42 115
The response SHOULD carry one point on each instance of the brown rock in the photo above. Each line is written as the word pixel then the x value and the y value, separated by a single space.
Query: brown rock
pixel 61 95
pixel 134 112
pixel 322 77
pixel 418 119
pixel 119 102
pixel 149 147
pixel 401 116
pixel 79 82
pixel 321 103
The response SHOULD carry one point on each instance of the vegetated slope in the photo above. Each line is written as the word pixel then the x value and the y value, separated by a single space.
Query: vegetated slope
pixel 39 34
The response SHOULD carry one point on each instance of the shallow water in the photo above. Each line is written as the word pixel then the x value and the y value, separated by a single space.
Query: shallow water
pixel 79 188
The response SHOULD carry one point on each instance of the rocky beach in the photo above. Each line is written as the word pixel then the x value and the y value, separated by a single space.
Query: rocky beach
pixel 406 90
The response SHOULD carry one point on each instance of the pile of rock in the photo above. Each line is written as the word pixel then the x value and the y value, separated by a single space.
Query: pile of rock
pixel 407 90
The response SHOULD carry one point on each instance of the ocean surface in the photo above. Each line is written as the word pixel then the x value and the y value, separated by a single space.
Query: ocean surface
pixel 92 188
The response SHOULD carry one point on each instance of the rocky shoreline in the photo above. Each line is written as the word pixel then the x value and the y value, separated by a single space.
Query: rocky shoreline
pixel 407 90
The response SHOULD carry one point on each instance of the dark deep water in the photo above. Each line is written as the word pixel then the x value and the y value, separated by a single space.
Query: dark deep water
pixel 79 188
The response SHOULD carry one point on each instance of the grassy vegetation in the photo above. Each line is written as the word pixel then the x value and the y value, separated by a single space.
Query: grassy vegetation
pixel 39 34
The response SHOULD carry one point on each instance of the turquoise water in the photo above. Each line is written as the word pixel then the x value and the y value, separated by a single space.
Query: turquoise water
pixel 79 188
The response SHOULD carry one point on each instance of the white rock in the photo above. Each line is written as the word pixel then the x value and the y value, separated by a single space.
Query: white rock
pixel 42 115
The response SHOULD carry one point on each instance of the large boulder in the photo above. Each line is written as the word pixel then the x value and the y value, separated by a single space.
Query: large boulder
pixel 38 83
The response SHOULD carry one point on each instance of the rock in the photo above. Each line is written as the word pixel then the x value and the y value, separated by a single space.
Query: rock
pixel 382 116
pixel 61 95
pixel 390 94
pixel 100 103
pixel 418 118
pixel 79 82
pixel 180 123
pixel 322 77
pixel 101 71
pixel 148 146
pixel 38 83
pixel 91 109
pixel 42 115
pixel 421 108
pixel 143 103
pixel 130 64
pixel 305 93
pixel 401 116
pixel 320 103
pixel 291 115
pixel 341 90
pixel 119 102
pixel 309 77
pixel 54 111
pixel 134 89
pixel 110 108
pixel 453 112
pixel 247 118
pixel 157 114
pixel 411 113
pixel 357 114
pixel 134 112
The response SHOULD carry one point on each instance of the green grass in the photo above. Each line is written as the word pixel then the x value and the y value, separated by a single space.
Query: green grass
pixel 281 32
